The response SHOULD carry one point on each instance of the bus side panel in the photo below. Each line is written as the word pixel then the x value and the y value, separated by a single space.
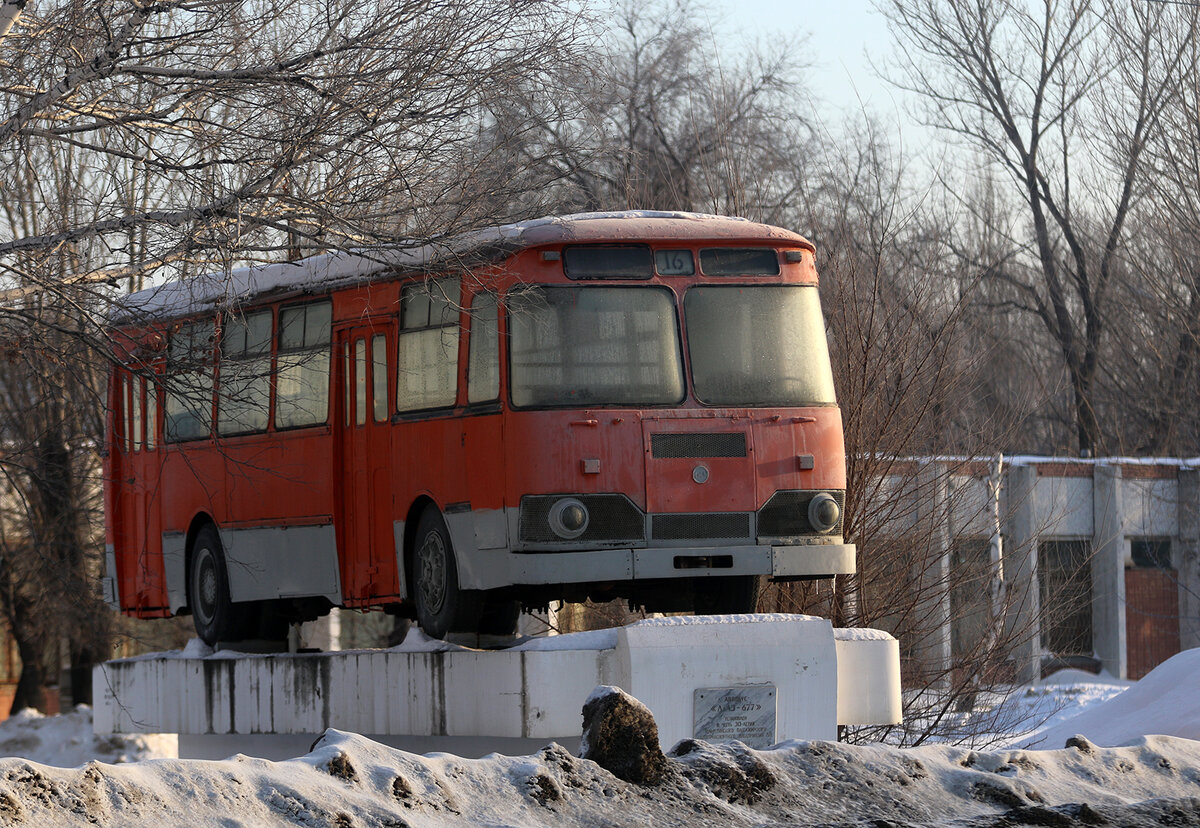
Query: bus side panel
pixel 270 479
pixel 190 477
pixel 481 535
pixel 428 459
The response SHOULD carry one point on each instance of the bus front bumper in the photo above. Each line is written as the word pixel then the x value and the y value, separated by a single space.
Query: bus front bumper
pixel 605 565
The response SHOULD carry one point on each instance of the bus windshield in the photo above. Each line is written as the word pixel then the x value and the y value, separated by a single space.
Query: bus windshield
pixel 758 345
pixel 594 346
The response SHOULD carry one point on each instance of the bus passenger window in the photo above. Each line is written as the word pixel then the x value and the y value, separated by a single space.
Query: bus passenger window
pixel 151 414
pixel 190 388
pixel 347 381
pixel 244 401
pixel 379 377
pixel 302 389
pixel 127 413
pixel 427 368
pixel 138 385
pixel 360 382
pixel 483 367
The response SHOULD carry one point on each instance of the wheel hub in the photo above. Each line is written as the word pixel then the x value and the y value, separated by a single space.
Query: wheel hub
pixel 431 575
pixel 207 588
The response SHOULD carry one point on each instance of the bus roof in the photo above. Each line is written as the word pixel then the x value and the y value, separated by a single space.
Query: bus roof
pixel 493 244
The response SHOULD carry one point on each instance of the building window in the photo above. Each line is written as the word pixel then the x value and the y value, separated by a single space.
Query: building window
pixel 1065 579
pixel 1150 553
pixel 970 590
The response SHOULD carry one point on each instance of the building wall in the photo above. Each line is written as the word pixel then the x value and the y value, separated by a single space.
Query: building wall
pixel 1123 515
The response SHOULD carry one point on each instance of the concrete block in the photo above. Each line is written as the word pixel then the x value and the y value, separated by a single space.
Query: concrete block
pixel 510 699
pixel 868 677
pixel 662 663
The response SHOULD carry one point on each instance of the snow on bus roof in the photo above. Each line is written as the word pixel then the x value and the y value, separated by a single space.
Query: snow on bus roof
pixel 186 296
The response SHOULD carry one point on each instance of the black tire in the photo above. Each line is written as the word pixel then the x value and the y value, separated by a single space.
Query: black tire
pixel 215 615
pixel 442 607
pixel 734 595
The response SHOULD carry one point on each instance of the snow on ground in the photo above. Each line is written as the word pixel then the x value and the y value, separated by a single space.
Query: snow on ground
pixel 67 740
pixel 1014 717
pixel 1167 701
pixel 348 780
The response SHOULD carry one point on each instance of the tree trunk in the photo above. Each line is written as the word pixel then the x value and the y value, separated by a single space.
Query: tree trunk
pixel 31 687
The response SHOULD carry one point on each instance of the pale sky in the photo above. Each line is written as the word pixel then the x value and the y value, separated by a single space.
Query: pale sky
pixel 840 36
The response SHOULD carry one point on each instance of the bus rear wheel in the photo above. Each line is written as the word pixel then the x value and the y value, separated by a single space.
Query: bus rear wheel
pixel 735 595
pixel 442 607
pixel 214 614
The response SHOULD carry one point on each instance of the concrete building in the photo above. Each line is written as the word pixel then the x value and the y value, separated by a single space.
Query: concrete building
pixel 1096 562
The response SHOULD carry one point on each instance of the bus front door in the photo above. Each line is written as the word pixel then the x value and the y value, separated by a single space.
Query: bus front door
pixel 368 559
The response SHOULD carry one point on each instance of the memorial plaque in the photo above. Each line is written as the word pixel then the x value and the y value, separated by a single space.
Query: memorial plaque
pixel 722 714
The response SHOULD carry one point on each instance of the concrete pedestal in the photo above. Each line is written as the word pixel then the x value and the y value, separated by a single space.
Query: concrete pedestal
pixel 472 702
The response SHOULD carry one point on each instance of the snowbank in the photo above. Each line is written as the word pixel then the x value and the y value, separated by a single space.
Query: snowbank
pixel 1165 702
pixel 67 741
pixel 350 780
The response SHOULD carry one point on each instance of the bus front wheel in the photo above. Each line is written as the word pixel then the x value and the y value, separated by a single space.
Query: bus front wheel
pixel 215 615
pixel 442 607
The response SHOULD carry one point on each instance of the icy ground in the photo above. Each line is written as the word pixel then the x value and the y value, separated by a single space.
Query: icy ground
pixel 348 780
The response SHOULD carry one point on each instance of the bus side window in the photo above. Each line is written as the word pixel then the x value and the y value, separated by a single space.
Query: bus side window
pixel 427 368
pixel 302 369
pixel 138 387
pixel 483 366
pixel 243 404
pixel 126 413
pixel 189 393
pixel 379 377
pixel 151 414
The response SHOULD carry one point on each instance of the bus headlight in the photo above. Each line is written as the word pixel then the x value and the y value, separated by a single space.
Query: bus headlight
pixel 823 512
pixel 568 518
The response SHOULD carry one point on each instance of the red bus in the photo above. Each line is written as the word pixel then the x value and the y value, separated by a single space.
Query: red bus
pixel 635 405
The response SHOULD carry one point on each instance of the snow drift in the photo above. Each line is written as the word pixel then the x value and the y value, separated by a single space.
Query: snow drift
pixel 348 780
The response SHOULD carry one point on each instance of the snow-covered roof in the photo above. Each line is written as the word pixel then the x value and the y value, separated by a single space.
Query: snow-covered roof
pixel 492 244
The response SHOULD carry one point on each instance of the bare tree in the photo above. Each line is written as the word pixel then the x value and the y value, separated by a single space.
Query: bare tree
pixel 1157 341
pixel 144 142
pixel 675 120
pixel 1063 99
pixel 258 128
pixel 911 369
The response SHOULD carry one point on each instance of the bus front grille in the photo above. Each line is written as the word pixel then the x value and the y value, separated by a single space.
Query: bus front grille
pixel 704 526
pixel 611 518
pixel 714 444
pixel 786 514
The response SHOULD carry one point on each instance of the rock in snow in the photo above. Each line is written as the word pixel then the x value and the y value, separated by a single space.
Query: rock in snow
pixel 621 736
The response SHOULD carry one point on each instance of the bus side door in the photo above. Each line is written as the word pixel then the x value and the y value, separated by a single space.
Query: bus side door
pixel 140 552
pixel 364 530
